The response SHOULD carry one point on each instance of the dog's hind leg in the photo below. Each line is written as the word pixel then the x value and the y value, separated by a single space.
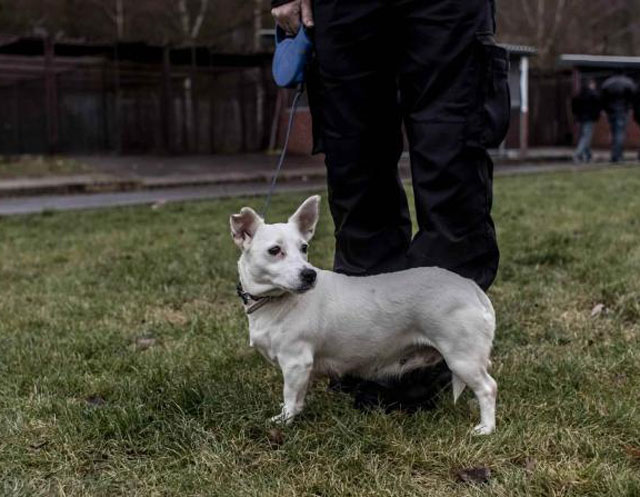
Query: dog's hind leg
pixel 476 377
pixel 458 387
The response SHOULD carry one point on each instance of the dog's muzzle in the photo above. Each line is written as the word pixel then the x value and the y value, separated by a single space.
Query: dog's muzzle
pixel 308 278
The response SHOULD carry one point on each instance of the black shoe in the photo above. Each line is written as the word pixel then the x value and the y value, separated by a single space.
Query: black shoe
pixel 418 389
pixel 347 384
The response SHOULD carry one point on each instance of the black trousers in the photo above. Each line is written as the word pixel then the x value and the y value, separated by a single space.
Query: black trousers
pixel 432 65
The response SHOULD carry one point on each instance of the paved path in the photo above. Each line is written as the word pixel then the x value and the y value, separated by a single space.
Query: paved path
pixel 36 204
pixel 129 173
pixel 39 203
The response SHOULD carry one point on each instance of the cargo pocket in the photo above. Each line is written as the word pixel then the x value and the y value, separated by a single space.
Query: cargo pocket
pixel 490 120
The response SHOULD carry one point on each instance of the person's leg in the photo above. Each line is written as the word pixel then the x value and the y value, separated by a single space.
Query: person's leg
pixel 588 132
pixel 617 138
pixel 356 110
pixel 581 152
pixel 612 132
pixel 577 153
pixel 454 93
pixel 617 121
pixel 359 116
pixel 622 126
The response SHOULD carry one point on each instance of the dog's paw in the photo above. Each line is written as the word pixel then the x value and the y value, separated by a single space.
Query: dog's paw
pixel 281 419
pixel 276 419
pixel 482 430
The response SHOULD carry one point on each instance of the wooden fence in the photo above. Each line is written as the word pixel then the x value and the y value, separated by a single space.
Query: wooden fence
pixel 95 104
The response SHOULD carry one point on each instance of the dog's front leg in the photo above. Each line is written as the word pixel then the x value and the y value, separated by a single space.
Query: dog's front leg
pixel 297 375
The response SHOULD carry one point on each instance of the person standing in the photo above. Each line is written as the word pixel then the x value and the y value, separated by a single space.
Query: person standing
pixel 586 110
pixel 436 67
pixel 636 109
pixel 617 97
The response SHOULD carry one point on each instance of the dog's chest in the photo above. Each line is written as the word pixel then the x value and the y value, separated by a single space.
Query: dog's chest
pixel 261 340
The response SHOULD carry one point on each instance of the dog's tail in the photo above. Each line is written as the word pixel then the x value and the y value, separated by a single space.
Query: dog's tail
pixel 458 387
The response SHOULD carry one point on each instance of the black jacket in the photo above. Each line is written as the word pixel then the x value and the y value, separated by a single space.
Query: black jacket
pixel 617 94
pixel 636 107
pixel 586 105
pixel 277 3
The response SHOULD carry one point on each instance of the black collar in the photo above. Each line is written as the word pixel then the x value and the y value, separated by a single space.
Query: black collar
pixel 247 298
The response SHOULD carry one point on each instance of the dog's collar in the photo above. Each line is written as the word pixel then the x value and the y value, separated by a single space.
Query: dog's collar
pixel 247 298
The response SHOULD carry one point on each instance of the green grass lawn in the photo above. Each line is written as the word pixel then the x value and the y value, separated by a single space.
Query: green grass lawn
pixel 125 367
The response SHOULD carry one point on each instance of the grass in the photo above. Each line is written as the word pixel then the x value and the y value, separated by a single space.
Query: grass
pixel 125 366
pixel 40 166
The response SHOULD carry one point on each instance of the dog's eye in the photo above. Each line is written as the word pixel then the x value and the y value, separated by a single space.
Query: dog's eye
pixel 304 249
pixel 275 250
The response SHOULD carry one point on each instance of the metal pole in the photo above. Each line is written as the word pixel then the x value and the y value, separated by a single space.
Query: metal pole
pixel 524 105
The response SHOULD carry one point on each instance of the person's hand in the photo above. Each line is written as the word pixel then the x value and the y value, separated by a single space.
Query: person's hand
pixel 288 16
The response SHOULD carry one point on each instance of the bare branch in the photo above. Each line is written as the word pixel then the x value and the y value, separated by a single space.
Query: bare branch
pixel 200 19
pixel 105 9
pixel 527 12
pixel 184 17
pixel 540 19
pixel 120 19
pixel 557 21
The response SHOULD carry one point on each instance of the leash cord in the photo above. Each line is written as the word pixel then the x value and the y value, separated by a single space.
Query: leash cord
pixel 283 154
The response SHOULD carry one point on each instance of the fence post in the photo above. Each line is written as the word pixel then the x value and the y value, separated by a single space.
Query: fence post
pixel 195 115
pixel 106 132
pixel 118 92
pixel 167 101
pixel 243 109
pixel 17 121
pixel 51 95
pixel 275 123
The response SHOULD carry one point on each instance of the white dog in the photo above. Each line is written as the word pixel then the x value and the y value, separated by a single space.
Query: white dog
pixel 314 322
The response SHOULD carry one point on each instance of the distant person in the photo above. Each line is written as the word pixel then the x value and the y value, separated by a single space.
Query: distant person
pixel 618 92
pixel 636 110
pixel 586 108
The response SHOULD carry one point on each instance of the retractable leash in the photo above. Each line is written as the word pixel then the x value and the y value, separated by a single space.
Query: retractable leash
pixel 283 154
pixel 289 66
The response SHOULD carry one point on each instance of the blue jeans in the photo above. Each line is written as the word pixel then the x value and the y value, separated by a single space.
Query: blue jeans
pixel 583 150
pixel 618 123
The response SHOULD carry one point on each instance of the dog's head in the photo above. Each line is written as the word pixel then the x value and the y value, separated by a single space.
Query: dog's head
pixel 274 256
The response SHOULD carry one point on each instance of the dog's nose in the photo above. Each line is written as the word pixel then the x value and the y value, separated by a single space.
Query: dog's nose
pixel 308 276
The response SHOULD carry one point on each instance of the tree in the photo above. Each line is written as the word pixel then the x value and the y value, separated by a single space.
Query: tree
pixel 114 12
pixel 557 26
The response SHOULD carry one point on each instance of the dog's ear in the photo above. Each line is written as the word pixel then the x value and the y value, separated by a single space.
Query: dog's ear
pixel 244 226
pixel 306 217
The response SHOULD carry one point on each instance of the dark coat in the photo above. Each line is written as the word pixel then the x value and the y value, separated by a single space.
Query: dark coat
pixel 618 93
pixel 586 106
pixel 636 107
